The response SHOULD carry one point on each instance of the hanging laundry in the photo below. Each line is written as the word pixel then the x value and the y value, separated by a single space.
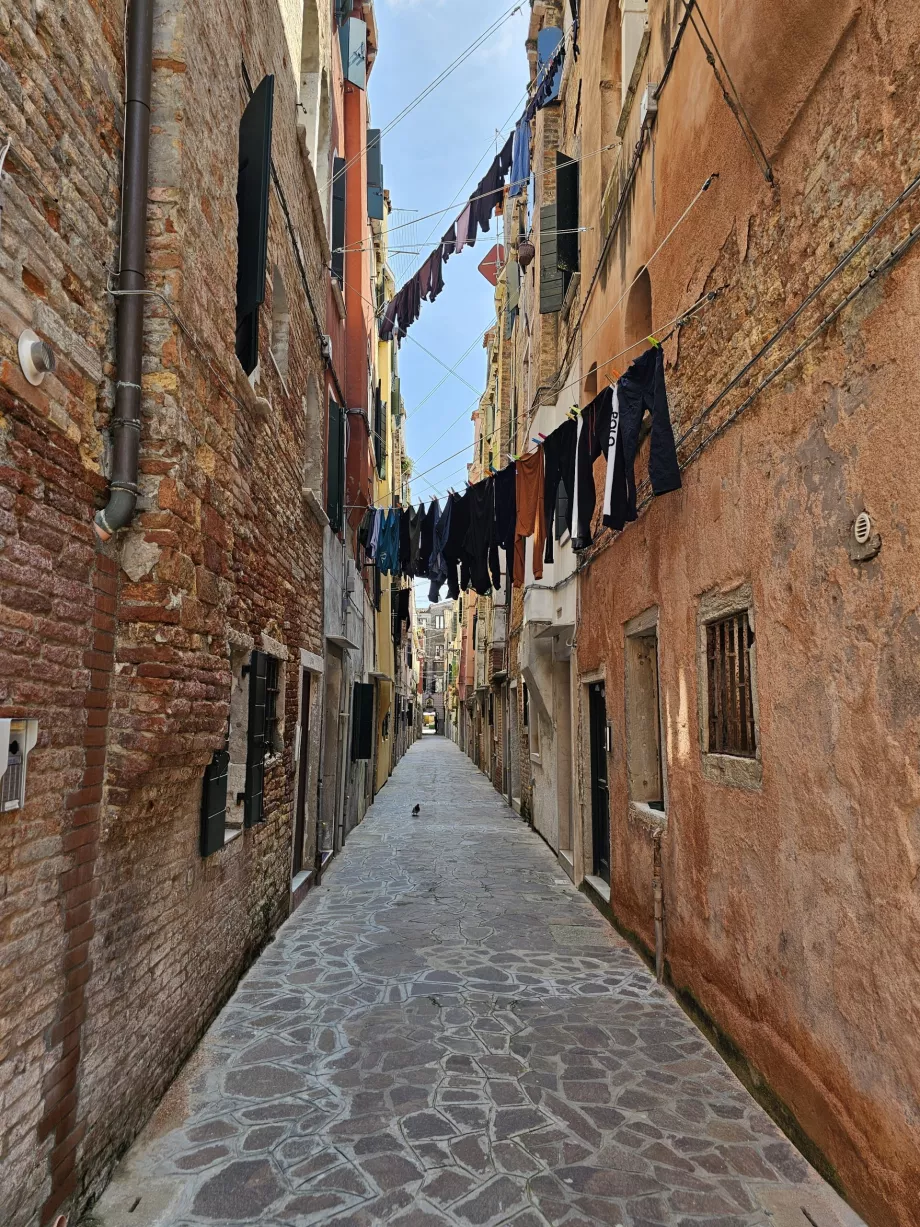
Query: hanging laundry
pixel 388 544
pixel 530 519
pixel 448 244
pixel 454 545
pixel 365 528
pixel 426 536
pixel 641 388
pixel 375 535
pixel 479 534
pixel 388 320
pixel 506 510
pixel 437 564
pixel 415 534
pixel 520 158
pixel 559 469
pixel 591 443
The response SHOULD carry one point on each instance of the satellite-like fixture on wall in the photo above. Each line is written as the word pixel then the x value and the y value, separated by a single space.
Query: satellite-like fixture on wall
pixel 36 357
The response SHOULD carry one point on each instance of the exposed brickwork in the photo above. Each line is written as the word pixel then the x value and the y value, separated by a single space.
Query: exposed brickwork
pixel 118 941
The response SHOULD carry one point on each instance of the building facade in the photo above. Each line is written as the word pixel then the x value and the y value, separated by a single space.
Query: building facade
pixel 435 629
pixel 709 719
pixel 190 641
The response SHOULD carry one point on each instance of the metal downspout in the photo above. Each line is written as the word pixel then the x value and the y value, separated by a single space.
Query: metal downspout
pixel 129 346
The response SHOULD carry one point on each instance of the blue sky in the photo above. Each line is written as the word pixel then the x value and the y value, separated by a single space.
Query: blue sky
pixel 427 157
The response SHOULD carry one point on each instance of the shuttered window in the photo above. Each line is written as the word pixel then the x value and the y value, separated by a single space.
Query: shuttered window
pixel 552 288
pixel 567 188
pixel 362 721
pixel 263 690
pixel 374 175
pixel 214 802
pixel 338 219
pixel 253 179
pixel 729 654
pixel 353 42
pixel 380 432
pixel 335 466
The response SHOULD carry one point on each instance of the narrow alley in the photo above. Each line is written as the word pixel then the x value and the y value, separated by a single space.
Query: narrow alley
pixel 448 1032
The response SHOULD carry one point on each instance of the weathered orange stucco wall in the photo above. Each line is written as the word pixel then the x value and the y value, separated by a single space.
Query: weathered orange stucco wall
pixel 792 910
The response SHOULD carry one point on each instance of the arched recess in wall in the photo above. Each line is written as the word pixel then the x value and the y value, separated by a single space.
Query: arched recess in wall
pixel 308 103
pixel 314 435
pixel 611 88
pixel 639 312
pixel 591 383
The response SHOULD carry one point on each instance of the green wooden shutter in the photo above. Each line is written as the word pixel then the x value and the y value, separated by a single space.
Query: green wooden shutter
pixel 567 187
pixel 338 219
pixel 256 741
pixel 335 465
pixel 362 721
pixel 254 176
pixel 552 289
pixel 374 175
pixel 214 802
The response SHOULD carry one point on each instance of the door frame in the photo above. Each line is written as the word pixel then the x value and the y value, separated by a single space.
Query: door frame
pixel 308 752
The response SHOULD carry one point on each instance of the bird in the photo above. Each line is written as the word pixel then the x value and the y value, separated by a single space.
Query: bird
pixel 416 810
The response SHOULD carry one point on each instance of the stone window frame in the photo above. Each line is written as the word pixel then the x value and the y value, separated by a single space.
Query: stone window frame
pixel 727 769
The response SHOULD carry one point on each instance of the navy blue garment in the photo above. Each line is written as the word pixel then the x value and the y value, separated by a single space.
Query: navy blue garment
pixel 478 542
pixel 520 158
pixel 437 564
pixel 426 537
pixel 641 388
pixel 506 507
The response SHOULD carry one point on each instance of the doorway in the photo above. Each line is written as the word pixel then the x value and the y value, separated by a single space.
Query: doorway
pixel 303 774
pixel 562 718
pixel 600 791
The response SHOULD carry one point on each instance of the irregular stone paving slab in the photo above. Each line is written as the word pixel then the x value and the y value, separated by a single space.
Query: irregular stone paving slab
pixel 446 1032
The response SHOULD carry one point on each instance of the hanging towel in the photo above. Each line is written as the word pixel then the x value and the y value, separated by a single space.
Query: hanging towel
pixel 530 521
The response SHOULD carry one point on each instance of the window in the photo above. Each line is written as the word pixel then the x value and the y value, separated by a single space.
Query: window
pixel 567 213
pixel 281 324
pixel 439 652
pixel 439 622
pixel 337 242
pixel 731 706
pixel 643 718
pixel 374 175
pixel 254 173
pixel 728 689
pixel 362 721
pixel 335 466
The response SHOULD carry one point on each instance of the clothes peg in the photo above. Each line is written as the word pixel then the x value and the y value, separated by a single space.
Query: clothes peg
pixel 541 434
pixel 653 341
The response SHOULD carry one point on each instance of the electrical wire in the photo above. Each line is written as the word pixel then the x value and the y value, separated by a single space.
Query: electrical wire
pixel 439 80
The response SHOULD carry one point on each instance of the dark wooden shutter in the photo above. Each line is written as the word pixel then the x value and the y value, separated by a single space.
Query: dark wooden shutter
pixel 567 213
pixel 256 741
pixel 335 465
pixel 374 175
pixel 380 432
pixel 253 179
pixel 338 219
pixel 362 721
pixel 552 289
pixel 214 802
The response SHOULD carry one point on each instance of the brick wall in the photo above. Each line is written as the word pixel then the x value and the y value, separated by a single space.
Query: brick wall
pixel 119 941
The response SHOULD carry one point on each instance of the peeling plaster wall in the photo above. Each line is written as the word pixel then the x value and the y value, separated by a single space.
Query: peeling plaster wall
pixel 792 912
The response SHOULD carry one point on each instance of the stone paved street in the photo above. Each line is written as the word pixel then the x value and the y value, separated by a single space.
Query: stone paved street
pixel 446 1032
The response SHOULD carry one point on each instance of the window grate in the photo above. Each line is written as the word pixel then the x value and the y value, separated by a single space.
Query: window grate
pixel 11 783
pixel 729 644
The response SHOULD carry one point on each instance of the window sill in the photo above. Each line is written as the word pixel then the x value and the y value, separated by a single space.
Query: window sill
pixel 339 299
pixel 314 503
pixel 653 820
pixel 231 833
pixel 732 771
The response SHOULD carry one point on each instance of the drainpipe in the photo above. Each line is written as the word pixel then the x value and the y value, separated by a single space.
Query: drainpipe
pixel 126 418
pixel 659 911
